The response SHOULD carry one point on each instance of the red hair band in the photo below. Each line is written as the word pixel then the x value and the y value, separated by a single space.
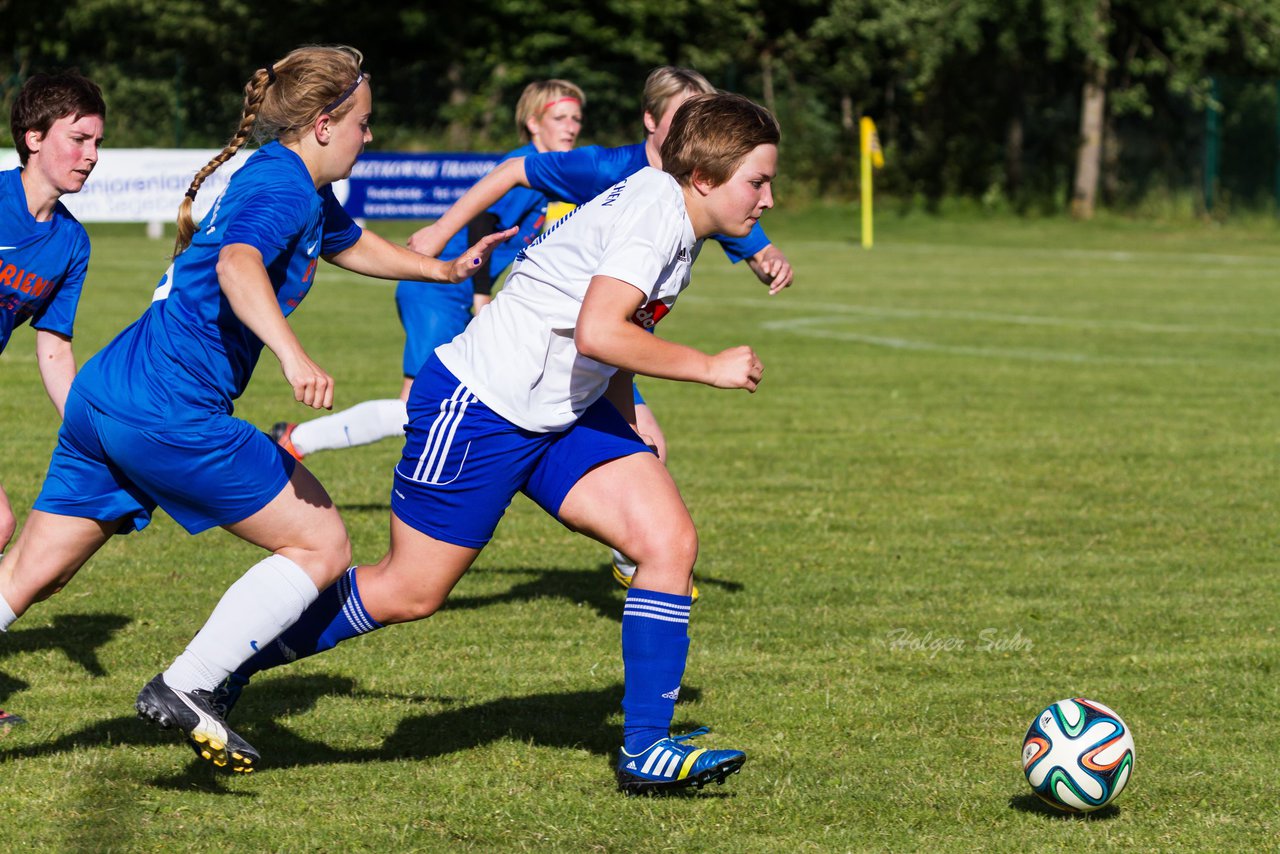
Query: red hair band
pixel 561 101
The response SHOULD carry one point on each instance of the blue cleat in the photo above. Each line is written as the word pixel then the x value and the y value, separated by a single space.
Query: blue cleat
pixel 670 764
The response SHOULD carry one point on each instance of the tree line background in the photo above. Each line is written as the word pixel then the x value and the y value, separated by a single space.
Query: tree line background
pixel 1037 105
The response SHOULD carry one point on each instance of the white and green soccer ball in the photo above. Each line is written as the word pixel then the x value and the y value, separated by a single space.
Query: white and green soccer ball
pixel 1078 755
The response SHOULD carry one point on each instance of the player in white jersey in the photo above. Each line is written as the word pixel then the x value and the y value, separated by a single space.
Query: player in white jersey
pixel 582 174
pixel 535 397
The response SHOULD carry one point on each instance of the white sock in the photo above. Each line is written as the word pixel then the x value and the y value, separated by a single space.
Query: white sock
pixel 6 614
pixel 362 424
pixel 266 600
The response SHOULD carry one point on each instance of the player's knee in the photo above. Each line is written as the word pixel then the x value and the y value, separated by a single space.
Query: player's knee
pixel 673 547
pixel 340 558
pixel 415 605
pixel 326 554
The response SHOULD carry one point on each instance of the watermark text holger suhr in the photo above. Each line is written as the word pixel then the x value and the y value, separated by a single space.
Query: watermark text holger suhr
pixel 990 640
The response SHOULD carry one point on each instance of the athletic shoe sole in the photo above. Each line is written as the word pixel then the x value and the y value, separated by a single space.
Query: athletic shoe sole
pixel 282 433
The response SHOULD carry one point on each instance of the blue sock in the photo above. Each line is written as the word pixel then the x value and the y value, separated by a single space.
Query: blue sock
pixel 655 644
pixel 335 616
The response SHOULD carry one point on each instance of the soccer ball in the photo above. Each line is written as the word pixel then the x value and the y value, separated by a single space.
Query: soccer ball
pixel 1078 755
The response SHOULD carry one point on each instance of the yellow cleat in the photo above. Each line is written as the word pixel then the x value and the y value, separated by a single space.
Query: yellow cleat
pixel 625 580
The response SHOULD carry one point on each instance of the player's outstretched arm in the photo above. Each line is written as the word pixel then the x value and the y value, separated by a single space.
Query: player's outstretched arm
pixel 772 268
pixel 606 334
pixel 243 279
pixel 507 175
pixel 372 255
pixel 57 365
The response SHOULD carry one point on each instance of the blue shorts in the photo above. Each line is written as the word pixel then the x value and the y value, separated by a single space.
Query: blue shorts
pixel 105 469
pixel 463 463
pixel 432 314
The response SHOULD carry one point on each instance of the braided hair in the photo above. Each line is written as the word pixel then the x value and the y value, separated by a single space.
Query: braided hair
pixel 280 102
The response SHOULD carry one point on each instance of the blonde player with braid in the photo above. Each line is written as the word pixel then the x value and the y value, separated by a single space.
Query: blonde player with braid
pixel 149 422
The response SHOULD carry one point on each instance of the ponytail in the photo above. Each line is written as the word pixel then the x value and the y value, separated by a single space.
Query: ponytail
pixel 254 93
pixel 280 102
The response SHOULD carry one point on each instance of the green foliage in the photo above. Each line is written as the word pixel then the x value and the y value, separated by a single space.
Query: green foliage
pixel 976 98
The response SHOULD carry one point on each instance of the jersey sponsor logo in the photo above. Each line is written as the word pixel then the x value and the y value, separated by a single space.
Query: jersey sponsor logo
pixel 24 281
pixel 647 317
pixel 614 193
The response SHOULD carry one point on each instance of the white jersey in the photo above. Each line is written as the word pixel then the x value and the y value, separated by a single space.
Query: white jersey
pixel 519 356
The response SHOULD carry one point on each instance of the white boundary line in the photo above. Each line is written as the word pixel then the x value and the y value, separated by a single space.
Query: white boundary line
pixel 1117 255
pixel 780 302
pixel 834 313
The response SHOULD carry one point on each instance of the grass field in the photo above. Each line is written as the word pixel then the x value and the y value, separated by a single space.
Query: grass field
pixel 993 463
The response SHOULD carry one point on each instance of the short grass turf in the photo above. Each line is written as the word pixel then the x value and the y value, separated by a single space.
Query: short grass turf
pixel 993 463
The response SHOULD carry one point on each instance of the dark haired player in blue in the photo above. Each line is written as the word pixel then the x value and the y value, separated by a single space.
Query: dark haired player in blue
pixel 581 175
pixel 56 122
pixel 549 118
pixel 149 421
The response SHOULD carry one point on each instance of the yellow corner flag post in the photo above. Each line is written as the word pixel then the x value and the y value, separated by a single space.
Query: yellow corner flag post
pixel 871 156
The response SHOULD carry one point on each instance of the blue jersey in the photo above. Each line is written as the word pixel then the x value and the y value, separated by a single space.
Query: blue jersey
pixel 189 355
pixel 520 207
pixel 580 175
pixel 42 264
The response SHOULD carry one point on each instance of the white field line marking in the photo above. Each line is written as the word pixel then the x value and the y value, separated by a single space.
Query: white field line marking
pixel 1118 255
pixel 780 302
pixel 811 326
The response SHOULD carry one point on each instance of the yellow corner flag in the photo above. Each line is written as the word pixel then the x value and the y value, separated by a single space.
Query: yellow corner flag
pixel 871 156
